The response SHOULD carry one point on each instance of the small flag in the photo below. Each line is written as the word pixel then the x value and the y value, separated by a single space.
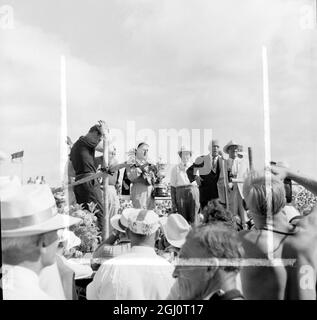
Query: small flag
pixel 17 155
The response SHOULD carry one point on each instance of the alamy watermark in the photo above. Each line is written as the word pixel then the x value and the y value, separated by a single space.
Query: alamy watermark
pixel 163 143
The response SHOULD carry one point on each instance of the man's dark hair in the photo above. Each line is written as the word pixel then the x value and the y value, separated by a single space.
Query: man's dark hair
pixel 219 241
pixel 95 128
pixel 214 212
pixel 142 144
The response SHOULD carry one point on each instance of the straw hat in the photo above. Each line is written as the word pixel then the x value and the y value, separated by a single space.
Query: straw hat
pixel 176 229
pixel 142 221
pixel 229 144
pixel 30 210
pixel 120 221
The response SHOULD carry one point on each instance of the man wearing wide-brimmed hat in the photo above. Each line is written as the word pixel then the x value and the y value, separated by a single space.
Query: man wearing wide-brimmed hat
pixel 206 171
pixel 237 167
pixel 185 194
pixel 29 224
pixel 139 274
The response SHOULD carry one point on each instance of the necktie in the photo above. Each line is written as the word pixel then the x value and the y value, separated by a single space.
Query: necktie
pixel 214 162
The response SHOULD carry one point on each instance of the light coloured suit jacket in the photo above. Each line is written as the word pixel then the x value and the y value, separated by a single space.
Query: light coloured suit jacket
pixel 241 169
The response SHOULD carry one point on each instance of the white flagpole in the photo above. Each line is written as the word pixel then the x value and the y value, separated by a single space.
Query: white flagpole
pixel 63 132
pixel 267 146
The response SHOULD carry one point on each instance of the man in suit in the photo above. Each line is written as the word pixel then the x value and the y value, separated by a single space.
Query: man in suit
pixel 206 171
pixel 237 167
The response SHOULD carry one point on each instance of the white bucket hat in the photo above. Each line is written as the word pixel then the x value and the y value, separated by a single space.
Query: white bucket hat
pixel 120 221
pixel 175 229
pixel 30 210
pixel 142 221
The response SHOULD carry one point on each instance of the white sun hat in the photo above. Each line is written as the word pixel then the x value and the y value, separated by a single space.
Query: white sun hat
pixel 176 229
pixel 30 210
pixel 142 221
pixel 120 221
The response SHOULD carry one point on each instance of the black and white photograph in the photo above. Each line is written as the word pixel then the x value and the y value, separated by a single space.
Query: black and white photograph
pixel 158 150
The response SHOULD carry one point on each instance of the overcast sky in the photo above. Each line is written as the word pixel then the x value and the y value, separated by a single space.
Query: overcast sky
pixel 193 64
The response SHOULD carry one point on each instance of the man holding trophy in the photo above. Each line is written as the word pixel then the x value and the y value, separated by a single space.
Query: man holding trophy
pixel 142 174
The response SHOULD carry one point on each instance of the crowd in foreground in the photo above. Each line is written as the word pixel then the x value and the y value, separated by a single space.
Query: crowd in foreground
pixel 214 259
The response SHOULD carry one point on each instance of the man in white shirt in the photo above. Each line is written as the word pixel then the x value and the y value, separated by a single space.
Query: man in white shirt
pixel 29 224
pixel 140 274
pixel 185 194
pixel 237 171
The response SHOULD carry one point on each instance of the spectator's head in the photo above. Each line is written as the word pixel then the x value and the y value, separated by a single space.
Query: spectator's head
pixel 143 227
pixel 29 224
pixel 94 134
pixel 207 273
pixel 185 154
pixel 142 151
pixel 215 212
pixel 255 194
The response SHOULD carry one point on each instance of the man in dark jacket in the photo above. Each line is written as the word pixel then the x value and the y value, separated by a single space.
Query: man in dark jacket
pixel 82 156
pixel 205 171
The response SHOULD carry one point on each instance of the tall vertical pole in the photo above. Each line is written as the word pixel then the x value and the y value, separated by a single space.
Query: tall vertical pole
pixel 105 232
pixel 267 146
pixel 63 131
